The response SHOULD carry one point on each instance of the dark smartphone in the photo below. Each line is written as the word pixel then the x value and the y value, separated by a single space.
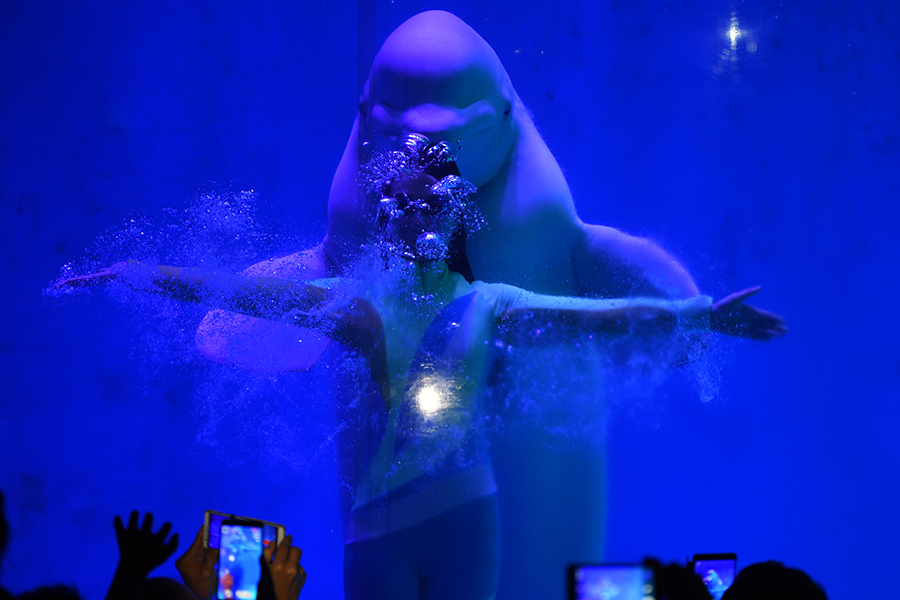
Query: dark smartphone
pixel 608 580
pixel 240 547
pixel 716 570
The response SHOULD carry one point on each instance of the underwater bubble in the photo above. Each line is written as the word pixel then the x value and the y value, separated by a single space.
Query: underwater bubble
pixel 219 229
pixel 244 416
pixel 567 392
pixel 415 144
pixel 441 153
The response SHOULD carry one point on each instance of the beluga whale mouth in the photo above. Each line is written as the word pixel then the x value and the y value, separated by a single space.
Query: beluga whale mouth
pixel 423 201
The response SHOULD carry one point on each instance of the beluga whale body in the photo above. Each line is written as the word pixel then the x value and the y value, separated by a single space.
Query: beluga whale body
pixel 437 77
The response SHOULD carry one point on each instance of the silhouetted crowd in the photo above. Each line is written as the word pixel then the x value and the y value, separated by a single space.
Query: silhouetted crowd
pixel 768 580
pixel 141 550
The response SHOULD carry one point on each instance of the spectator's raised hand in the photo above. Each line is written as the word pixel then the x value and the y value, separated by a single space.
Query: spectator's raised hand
pixel 197 568
pixel 140 549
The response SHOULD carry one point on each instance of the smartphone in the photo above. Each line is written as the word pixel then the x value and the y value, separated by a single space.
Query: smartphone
pixel 604 581
pixel 716 570
pixel 240 546
pixel 273 533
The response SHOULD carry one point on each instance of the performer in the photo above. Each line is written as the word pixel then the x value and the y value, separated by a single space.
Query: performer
pixel 424 521
pixel 437 76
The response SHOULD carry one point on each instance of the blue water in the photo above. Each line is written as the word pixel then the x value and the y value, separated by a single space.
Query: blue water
pixel 772 161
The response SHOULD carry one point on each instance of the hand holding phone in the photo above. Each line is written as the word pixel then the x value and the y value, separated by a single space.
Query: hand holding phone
pixel 284 570
pixel 282 560
pixel 197 567
pixel 240 549
pixel 273 533
pixel 716 570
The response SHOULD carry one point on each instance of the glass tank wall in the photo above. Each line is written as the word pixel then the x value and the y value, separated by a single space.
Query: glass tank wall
pixel 732 144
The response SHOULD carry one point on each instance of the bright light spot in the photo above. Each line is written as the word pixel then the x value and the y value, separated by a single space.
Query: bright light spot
pixel 734 33
pixel 429 399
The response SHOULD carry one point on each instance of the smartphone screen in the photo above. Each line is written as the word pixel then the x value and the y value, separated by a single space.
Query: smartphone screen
pixel 214 523
pixel 603 582
pixel 716 571
pixel 240 546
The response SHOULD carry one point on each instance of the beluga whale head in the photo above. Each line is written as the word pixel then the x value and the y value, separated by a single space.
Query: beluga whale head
pixel 437 77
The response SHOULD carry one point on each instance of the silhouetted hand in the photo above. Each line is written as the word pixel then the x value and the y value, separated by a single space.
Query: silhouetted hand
pixel 197 568
pixel 732 317
pixel 140 551
pixel 283 572
pixel 101 277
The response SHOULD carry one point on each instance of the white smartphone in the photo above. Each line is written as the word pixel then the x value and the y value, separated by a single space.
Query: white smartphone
pixel 239 568
pixel 273 533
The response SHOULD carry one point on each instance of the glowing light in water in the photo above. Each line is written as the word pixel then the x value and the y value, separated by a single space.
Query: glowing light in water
pixel 730 54
pixel 734 32
pixel 430 399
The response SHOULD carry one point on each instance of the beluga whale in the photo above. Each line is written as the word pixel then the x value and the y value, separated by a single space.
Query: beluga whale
pixel 435 76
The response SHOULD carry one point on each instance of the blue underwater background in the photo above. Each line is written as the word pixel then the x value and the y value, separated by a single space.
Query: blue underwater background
pixel 771 160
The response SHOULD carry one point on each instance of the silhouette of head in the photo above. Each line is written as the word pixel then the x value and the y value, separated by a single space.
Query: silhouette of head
pixel 771 580
pixel 4 526
pixel 677 582
pixel 163 588
pixel 51 592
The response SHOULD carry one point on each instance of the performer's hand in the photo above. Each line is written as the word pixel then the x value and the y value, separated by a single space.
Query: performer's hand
pixel 101 277
pixel 732 317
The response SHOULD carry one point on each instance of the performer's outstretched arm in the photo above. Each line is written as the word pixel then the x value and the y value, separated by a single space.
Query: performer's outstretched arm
pixel 353 322
pixel 623 316
pixel 263 297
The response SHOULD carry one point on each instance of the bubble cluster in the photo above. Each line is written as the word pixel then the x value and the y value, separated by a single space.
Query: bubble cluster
pixel 243 415
pixel 386 177
pixel 567 390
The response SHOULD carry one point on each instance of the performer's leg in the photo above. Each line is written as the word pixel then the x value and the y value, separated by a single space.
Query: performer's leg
pixel 378 569
pixel 454 556
pixel 465 565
